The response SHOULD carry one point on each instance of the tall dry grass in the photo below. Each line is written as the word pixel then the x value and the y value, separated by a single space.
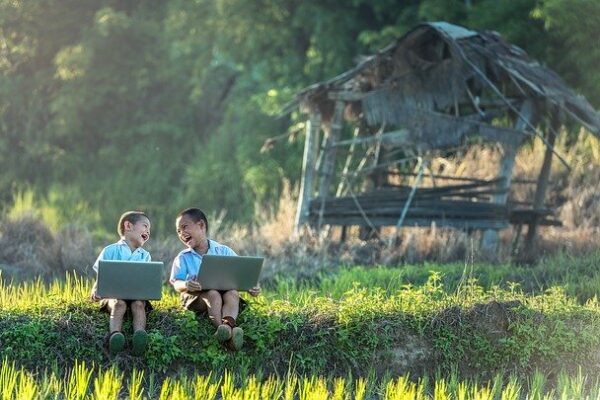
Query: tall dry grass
pixel 574 194
pixel 29 248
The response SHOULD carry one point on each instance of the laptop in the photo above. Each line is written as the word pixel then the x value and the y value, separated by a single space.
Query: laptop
pixel 229 272
pixel 130 280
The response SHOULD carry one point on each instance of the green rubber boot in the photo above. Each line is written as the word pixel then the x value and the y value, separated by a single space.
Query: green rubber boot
pixel 138 342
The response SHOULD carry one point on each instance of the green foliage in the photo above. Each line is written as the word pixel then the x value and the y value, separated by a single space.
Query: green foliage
pixel 62 207
pixel 572 25
pixel 107 106
pixel 579 276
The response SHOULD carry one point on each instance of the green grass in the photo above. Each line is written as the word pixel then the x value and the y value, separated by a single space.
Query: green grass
pixel 578 276
pixel 344 327
pixel 107 384
pixel 355 333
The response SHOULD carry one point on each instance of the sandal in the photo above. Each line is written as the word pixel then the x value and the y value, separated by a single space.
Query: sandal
pixel 138 342
pixel 116 342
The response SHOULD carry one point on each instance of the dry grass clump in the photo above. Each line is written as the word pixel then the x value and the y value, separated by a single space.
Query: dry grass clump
pixel 28 248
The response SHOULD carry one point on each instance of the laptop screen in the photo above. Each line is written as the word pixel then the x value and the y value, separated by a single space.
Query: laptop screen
pixel 130 280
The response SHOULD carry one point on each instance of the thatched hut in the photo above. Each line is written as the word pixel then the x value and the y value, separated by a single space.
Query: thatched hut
pixel 437 88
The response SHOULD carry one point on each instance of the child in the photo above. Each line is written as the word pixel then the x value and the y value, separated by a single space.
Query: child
pixel 222 306
pixel 134 230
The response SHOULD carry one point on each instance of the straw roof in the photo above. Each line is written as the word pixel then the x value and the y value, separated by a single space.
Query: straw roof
pixel 443 83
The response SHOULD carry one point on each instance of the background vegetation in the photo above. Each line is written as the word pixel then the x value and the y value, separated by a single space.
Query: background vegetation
pixel 109 105
pixel 112 105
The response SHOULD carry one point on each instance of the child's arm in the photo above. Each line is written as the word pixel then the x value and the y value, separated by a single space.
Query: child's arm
pixel 187 286
pixel 101 256
pixel 181 279
pixel 93 295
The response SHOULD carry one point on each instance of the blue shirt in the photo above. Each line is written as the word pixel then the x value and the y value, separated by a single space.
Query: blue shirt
pixel 121 251
pixel 187 263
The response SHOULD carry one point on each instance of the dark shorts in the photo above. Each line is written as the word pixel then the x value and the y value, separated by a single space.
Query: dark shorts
pixel 104 305
pixel 187 300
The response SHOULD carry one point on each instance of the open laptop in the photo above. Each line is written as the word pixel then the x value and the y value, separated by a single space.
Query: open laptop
pixel 130 280
pixel 229 272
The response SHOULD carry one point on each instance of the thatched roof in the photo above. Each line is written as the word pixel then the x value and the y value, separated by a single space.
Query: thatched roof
pixel 443 83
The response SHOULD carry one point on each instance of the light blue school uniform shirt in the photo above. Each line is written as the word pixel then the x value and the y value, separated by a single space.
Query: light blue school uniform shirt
pixel 121 251
pixel 187 263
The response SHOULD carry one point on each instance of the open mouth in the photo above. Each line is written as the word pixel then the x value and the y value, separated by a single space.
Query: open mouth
pixel 145 236
pixel 186 239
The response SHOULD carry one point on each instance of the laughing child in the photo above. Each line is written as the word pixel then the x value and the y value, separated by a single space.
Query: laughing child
pixel 134 230
pixel 222 307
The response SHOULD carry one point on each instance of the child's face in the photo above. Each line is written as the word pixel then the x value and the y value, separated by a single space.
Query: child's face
pixel 191 233
pixel 137 234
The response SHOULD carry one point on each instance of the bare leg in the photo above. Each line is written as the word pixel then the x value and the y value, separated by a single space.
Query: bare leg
pixel 117 311
pixel 231 308
pixel 138 311
pixel 231 304
pixel 211 302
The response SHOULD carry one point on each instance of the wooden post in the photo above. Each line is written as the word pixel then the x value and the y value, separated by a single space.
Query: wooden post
pixel 329 155
pixel 489 242
pixel 542 185
pixel 349 157
pixel 372 181
pixel 308 168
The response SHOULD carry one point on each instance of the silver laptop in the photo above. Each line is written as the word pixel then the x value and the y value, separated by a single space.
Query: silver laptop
pixel 229 272
pixel 130 280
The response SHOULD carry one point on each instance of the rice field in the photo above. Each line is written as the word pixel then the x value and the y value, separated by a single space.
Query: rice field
pixel 90 382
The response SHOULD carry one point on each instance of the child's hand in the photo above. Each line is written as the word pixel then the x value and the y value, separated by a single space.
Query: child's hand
pixel 94 296
pixel 192 286
pixel 255 291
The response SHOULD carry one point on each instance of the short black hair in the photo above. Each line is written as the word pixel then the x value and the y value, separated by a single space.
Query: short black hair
pixel 129 216
pixel 196 215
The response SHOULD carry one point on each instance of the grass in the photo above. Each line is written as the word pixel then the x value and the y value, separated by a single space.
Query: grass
pixel 579 276
pixel 18 383
pixel 411 319
pixel 429 331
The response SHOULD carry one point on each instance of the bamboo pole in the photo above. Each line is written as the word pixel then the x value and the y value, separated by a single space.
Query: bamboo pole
pixel 329 154
pixel 308 168
pixel 542 186
pixel 489 241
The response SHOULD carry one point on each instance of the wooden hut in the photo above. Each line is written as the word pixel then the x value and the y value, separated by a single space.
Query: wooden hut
pixel 438 87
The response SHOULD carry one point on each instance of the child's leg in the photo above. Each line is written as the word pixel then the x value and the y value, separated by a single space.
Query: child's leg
pixel 116 340
pixel 140 337
pixel 117 311
pixel 213 303
pixel 138 312
pixel 210 302
pixel 231 304
pixel 235 335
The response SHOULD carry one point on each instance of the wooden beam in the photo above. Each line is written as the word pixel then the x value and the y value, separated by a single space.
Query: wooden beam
pixel 329 154
pixel 420 222
pixel 489 242
pixel 347 95
pixel 308 168
pixel 349 157
pixel 542 186
pixel 399 137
